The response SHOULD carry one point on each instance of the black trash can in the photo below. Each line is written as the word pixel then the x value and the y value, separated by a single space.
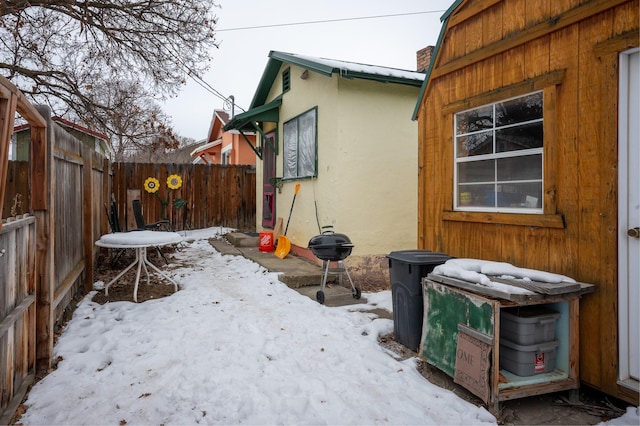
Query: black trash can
pixel 406 270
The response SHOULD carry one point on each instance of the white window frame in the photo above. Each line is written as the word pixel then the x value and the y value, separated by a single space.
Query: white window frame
pixel 498 156
pixel 225 155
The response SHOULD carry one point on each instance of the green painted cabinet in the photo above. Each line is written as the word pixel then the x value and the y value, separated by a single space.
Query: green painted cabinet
pixel 450 302
pixel 445 308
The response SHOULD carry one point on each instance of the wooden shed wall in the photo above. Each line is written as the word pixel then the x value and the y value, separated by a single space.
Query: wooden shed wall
pixel 493 50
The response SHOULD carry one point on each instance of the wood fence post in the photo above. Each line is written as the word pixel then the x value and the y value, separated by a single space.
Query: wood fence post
pixel 107 188
pixel 87 215
pixel 8 103
pixel 43 187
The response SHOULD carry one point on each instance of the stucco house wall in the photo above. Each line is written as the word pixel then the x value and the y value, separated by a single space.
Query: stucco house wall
pixel 366 186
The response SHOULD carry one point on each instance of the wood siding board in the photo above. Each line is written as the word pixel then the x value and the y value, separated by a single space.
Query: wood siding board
pixel 442 163
pixel 508 90
pixel 536 60
pixel 473 34
pixel 627 16
pixel 589 174
pixel 590 121
pixel 536 248
pixel 471 9
pixel 513 66
pixel 617 43
pixel 492 247
pixel 607 153
pixel 536 11
pixel 422 174
pixel 492 32
pixel 550 159
pixel 559 6
pixel 448 49
pixel 521 219
pixel 563 54
pixel 514 16
pixel 517 36
pixel 512 245
pixel 491 74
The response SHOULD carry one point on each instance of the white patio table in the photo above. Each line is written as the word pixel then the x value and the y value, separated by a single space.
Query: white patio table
pixel 140 241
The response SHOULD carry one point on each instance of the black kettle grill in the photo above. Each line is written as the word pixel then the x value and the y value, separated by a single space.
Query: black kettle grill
pixel 332 247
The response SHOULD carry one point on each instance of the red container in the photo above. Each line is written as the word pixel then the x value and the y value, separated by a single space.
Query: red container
pixel 265 241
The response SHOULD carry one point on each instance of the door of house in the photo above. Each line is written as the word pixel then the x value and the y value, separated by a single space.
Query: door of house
pixel 268 188
pixel 629 218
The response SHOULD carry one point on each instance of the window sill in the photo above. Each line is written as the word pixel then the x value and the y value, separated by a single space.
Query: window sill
pixel 535 220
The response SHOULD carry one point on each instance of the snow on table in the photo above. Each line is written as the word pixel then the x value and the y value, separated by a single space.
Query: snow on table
pixel 138 239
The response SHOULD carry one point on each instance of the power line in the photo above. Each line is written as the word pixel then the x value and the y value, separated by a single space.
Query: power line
pixel 202 83
pixel 326 21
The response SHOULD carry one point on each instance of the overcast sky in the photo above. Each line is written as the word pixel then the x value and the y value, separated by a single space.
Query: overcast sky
pixel 243 53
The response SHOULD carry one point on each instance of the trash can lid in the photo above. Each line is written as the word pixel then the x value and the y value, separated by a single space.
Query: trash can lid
pixel 419 257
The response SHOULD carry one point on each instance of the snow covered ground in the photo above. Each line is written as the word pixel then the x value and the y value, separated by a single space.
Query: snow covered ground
pixel 237 346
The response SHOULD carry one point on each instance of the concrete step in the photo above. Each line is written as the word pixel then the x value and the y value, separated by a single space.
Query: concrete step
pixel 242 239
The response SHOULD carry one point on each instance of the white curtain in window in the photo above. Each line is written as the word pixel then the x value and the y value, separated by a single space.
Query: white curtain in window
pixel 290 149
pixel 307 145
pixel 300 146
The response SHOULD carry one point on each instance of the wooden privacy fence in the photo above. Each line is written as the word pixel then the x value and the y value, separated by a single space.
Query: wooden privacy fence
pixel 47 249
pixel 210 195
pixel 46 253
pixel 21 254
pixel 81 184
pixel 17 310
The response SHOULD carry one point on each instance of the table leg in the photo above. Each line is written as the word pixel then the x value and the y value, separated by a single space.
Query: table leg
pixel 106 288
pixel 141 255
pixel 175 285
pixel 144 264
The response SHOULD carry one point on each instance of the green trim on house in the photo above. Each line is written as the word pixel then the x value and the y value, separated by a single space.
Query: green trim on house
pixel 320 66
pixel 246 122
pixel 286 79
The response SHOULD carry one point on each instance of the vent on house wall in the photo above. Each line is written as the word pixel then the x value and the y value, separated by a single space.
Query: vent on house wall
pixel 286 80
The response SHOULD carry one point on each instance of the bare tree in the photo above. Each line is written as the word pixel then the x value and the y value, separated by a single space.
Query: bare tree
pixel 134 122
pixel 84 58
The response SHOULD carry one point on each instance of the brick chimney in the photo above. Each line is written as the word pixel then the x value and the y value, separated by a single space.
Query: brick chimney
pixel 423 57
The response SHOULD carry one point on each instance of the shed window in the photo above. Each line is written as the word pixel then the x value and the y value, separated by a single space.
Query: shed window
pixel 300 145
pixel 498 156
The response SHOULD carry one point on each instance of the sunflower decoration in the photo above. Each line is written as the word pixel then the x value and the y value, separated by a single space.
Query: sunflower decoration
pixel 152 185
pixel 174 182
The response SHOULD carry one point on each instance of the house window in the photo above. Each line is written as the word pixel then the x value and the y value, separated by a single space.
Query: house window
pixel 498 156
pixel 286 80
pixel 300 142
pixel 225 155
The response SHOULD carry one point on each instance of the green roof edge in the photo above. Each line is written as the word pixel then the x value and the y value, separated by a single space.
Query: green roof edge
pixel 445 20
pixel 276 59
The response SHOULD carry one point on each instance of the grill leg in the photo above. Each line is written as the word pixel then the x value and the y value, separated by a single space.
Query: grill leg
pixel 326 273
pixel 344 267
